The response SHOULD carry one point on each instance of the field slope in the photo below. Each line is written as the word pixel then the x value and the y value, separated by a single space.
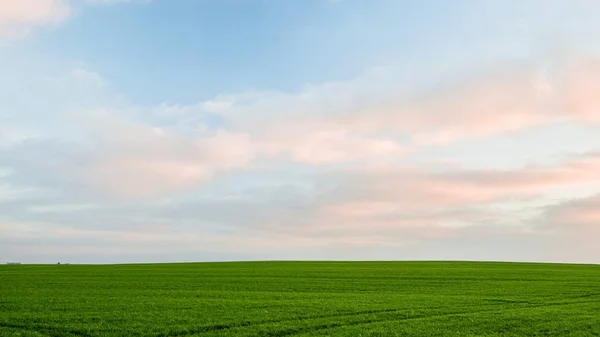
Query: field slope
pixel 301 299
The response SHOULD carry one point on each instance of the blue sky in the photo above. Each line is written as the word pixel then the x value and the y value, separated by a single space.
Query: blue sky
pixel 154 130
pixel 209 47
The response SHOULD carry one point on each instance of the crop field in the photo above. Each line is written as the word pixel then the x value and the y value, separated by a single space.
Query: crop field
pixel 301 299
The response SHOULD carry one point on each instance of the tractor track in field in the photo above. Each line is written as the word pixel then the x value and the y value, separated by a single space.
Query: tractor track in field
pixel 292 332
pixel 585 295
pixel 220 327
pixel 333 325
pixel 46 330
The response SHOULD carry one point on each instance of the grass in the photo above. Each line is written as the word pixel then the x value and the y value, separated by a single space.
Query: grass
pixel 301 299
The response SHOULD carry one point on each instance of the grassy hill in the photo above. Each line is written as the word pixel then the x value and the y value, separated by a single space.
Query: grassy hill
pixel 301 299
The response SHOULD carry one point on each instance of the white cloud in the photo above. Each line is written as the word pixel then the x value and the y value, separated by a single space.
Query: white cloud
pixel 112 2
pixel 86 77
pixel 18 17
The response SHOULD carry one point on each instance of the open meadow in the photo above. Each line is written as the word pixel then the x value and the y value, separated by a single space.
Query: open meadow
pixel 301 299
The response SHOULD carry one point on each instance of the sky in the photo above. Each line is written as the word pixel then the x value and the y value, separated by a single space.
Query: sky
pixel 220 130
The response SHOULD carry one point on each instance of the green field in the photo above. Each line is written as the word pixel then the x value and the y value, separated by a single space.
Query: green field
pixel 301 299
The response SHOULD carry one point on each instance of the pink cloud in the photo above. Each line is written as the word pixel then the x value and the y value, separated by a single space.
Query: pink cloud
pixel 144 162
pixel 124 159
pixel 396 196
pixel 581 88
pixel 511 98
pixel 324 146
pixel 18 17
pixel 575 216
pixel 484 105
